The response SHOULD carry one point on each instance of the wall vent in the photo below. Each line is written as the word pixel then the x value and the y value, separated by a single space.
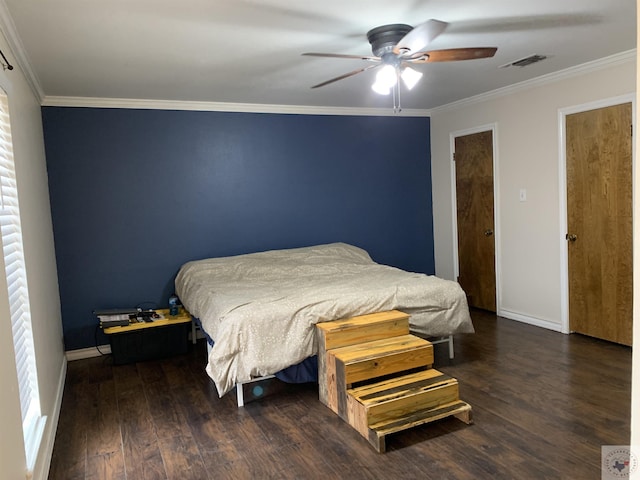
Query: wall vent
pixel 523 62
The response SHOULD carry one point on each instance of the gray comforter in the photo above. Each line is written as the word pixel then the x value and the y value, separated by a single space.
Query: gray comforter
pixel 261 308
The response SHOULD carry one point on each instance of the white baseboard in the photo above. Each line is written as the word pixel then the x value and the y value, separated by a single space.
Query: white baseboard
pixel 43 463
pixel 556 327
pixel 90 352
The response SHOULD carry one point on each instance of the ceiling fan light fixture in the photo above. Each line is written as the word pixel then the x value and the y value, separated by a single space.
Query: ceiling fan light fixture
pixel 387 76
pixel 410 77
pixel 381 89
pixel 395 46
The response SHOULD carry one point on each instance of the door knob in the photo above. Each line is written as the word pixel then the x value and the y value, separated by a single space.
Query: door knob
pixel 571 237
pixel 488 233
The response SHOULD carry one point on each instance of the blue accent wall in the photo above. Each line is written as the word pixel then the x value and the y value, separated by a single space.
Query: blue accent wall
pixel 136 193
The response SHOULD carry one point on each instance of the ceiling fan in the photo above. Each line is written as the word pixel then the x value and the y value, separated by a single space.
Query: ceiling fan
pixel 398 46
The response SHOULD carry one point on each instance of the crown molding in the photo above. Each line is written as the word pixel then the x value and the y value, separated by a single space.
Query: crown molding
pixel 15 44
pixel 17 48
pixel 596 65
pixel 131 103
pixel 97 102
pixel 7 26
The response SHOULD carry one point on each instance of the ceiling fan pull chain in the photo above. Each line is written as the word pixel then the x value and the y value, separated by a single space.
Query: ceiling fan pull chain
pixel 393 92
pixel 396 108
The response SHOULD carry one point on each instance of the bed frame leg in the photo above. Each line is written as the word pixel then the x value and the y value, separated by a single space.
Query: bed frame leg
pixel 240 394
pixel 257 391
pixel 451 353
pixel 240 385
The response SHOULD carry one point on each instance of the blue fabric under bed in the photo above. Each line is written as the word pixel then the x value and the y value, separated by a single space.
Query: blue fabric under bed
pixel 303 372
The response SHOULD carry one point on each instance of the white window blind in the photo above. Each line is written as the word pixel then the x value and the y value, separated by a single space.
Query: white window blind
pixel 32 422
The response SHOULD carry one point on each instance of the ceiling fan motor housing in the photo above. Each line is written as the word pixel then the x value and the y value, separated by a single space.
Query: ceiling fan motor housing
pixel 384 38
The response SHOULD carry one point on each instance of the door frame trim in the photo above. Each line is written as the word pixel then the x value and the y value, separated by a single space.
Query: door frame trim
pixel 493 127
pixel 562 187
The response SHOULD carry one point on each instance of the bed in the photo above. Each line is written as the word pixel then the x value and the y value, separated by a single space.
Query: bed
pixel 260 309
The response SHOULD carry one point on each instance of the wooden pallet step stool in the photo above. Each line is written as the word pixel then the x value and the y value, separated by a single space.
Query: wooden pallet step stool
pixel 378 378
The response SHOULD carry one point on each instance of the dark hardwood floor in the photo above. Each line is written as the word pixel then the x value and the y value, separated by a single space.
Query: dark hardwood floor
pixel 543 404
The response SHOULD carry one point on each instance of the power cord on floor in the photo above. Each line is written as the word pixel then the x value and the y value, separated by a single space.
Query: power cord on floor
pixel 95 335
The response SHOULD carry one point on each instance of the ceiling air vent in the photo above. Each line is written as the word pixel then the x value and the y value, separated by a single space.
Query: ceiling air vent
pixel 523 62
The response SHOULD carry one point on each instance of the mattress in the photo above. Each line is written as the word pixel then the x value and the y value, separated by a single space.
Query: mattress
pixel 260 308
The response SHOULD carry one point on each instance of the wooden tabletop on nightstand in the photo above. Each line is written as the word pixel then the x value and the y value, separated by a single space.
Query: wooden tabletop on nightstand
pixel 182 317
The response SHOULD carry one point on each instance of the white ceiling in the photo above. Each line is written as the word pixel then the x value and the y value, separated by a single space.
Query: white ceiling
pixel 249 51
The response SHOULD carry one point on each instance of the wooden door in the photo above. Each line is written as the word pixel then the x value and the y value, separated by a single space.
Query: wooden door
pixel 474 196
pixel 599 220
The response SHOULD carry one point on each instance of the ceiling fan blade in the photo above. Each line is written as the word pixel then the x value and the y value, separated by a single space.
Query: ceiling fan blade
pixel 420 36
pixel 452 54
pixel 346 75
pixel 339 55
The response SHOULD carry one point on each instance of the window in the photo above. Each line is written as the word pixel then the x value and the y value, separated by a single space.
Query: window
pixel 32 422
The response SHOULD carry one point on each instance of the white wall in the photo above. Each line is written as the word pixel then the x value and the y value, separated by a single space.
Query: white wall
pixel 528 233
pixel 33 194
